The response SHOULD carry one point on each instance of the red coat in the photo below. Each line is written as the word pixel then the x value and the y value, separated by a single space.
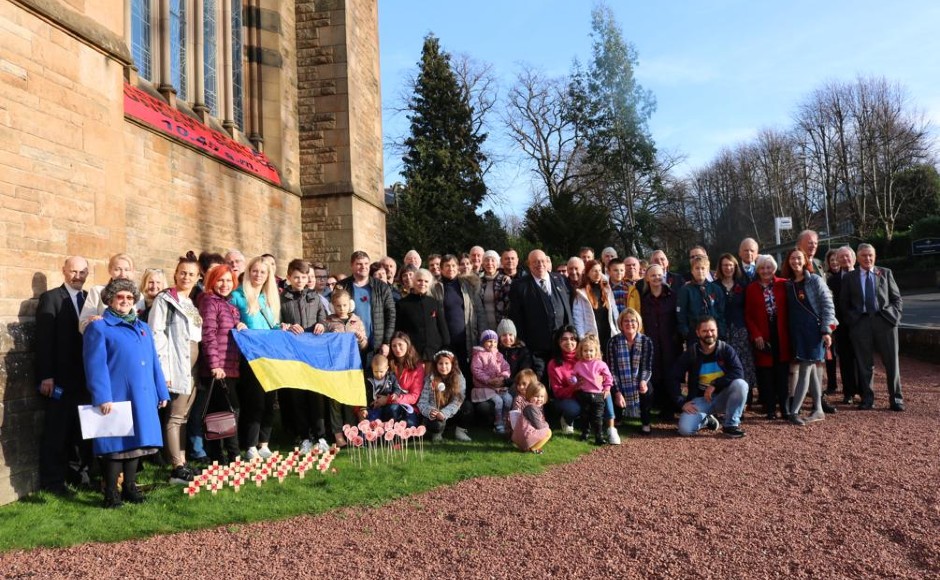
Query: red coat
pixel 758 323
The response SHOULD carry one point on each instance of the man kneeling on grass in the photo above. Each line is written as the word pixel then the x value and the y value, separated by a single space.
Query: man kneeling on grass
pixel 715 383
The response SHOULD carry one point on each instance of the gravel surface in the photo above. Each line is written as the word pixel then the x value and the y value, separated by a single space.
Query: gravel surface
pixel 854 496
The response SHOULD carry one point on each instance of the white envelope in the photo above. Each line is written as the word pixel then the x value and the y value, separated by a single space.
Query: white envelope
pixel 118 423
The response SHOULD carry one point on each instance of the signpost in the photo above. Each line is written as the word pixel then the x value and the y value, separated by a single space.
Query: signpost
pixel 925 247
pixel 781 223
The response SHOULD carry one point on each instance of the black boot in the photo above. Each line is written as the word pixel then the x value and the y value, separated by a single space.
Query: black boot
pixel 129 492
pixel 112 498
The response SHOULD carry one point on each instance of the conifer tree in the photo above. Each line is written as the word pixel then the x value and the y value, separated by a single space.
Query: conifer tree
pixel 444 187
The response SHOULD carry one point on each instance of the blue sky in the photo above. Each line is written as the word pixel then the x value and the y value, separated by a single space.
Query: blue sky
pixel 720 70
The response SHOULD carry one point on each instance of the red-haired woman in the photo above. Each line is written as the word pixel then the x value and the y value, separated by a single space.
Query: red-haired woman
pixel 219 357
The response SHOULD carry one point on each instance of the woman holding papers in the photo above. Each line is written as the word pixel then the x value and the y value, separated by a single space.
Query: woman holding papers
pixel 122 365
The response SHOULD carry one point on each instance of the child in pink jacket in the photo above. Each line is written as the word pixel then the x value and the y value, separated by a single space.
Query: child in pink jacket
pixel 594 383
pixel 490 371
pixel 531 431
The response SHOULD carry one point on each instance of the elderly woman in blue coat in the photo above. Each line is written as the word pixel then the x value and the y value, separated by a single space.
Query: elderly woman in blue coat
pixel 122 365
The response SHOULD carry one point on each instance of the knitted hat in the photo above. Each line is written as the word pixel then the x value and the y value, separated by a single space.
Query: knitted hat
pixel 506 326
pixel 488 335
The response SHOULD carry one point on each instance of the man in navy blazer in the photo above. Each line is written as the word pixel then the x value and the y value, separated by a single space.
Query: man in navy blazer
pixel 61 376
pixel 871 303
pixel 539 305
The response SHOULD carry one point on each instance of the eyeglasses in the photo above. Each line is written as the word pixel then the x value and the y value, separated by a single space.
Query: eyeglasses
pixel 322 277
pixel 331 284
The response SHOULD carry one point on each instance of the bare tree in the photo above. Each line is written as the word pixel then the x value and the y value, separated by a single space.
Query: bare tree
pixel 537 119
pixel 890 138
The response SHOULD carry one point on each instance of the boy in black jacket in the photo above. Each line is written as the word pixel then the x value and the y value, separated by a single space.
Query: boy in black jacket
pixel 302 411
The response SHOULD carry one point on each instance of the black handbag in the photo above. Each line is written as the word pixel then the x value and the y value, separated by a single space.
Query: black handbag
pixel 221 424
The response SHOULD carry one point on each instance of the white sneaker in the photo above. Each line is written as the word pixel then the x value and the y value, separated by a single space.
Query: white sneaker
pixel 460 434
pixel 252 453
pixel 566 429
pixel 816 416
pixel 306 446
pixel 322 445
pixel 613 437
pixel 265 452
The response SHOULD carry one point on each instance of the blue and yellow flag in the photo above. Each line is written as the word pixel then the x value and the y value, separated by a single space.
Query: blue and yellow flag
pixel 325 363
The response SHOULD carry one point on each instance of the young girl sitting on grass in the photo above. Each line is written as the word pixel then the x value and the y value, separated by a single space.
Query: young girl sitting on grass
pixel 531 431
pixel 594 383
pixel 490 373
pixel 524 379
pixel 444 397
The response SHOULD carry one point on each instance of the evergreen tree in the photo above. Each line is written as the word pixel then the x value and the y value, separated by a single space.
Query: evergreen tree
pixel 613 110
pixel 443 166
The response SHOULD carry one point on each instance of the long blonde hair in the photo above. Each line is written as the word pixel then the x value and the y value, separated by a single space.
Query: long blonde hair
pixel 269 289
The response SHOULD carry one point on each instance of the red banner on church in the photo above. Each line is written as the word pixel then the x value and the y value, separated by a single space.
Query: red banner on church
pixel 156 113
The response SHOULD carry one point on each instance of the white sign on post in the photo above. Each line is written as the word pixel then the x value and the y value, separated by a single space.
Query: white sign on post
pixel 784 223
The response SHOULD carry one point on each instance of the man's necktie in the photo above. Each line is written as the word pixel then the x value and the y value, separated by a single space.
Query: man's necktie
pixel 80 301
pixel 870 305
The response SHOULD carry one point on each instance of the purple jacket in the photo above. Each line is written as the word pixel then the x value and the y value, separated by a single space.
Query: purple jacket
pixel 219 317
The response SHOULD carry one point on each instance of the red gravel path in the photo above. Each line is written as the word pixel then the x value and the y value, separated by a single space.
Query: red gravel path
pixel 857 495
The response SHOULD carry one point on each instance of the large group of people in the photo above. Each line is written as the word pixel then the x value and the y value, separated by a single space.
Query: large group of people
pixel 457 341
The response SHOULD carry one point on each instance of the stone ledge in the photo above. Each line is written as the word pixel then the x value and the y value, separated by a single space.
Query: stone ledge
pixel 80 26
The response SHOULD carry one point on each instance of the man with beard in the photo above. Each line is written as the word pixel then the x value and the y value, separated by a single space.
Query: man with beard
pixel 715 381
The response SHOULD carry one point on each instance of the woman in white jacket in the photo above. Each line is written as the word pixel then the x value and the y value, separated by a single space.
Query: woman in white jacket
pixel 177 331
pixel 594 308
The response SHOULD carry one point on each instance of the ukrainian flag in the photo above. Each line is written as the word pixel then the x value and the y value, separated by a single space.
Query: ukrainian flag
pixel 325 363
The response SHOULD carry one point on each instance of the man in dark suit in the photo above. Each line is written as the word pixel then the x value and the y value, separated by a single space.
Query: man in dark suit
pixel 539 305
pixel 61 373
pixel 842 340
pixel 871 303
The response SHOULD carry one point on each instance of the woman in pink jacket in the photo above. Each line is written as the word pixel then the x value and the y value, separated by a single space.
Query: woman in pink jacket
pixel 562 384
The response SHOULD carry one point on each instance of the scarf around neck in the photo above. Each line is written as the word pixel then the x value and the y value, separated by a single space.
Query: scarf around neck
pixel 130 317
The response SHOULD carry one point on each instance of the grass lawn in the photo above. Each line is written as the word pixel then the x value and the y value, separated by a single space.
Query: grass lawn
pixel 46 520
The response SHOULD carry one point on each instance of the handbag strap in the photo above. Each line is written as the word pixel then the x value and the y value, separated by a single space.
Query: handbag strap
pixel 205 410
